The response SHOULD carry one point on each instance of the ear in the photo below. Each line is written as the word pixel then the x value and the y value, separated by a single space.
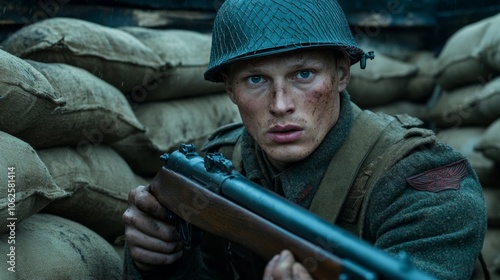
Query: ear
pixel 228 84
pixel 343 72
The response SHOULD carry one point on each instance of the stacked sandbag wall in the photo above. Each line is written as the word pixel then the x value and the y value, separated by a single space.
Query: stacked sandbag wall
pixel 394 84
pixel 456 92
pixel 467 114
pixel 87 111
pixel 95 107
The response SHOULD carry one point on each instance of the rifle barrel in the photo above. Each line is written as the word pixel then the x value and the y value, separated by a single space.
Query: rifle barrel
pixel 293 218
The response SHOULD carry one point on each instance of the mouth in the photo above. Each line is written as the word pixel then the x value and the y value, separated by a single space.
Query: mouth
pixel 285 133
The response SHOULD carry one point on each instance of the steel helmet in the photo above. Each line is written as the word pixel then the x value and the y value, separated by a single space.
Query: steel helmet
pixel 246 29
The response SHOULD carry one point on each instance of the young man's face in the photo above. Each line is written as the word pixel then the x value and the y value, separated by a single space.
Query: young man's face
pixel 288 102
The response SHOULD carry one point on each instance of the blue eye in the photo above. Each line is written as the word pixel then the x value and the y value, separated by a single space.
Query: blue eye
pixel 304 74
pixel 255 79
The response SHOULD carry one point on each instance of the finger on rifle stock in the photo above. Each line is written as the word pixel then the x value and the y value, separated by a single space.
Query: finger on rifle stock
pixel 144 200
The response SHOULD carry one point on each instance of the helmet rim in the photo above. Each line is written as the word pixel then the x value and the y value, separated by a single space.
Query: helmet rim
pixel 214 72
pixel 245 29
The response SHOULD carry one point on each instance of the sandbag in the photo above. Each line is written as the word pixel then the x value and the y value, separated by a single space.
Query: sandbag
pixel 489 144
pixel 464 140
pixel 492 199
pixel 186 53
pixel 26 186
pixel 421 85
pixel 51 247
pixel 95 112
pixel 490 44
pixel 109 53
pixel 384 80
pixel 171 123
pixel 413 109
pixel 491 255
pixel 99 180
pixel 473 105
pixel 25 95
pixel 465 57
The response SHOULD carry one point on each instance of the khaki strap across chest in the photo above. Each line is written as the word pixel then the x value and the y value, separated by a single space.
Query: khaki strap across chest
pixel 344 167
pixel 374 144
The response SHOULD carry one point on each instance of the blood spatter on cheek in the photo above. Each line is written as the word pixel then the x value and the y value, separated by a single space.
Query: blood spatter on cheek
pixel 321 98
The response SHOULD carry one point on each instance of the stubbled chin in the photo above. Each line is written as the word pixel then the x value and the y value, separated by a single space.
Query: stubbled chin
pixel 286 155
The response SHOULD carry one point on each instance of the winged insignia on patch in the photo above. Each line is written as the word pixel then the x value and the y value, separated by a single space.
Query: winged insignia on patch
pixel 441 178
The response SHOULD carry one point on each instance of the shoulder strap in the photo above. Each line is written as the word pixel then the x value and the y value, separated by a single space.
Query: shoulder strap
pixel 375 143
pixel 344 167
pixel 388 152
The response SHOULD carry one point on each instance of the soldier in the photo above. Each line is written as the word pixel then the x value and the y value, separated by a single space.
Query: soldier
pixel 286 65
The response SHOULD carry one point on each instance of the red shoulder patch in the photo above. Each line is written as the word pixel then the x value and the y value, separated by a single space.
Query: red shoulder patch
pixel 441 178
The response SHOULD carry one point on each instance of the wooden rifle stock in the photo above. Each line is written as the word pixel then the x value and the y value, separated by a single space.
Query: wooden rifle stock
pixel 221 217
pixel 209 194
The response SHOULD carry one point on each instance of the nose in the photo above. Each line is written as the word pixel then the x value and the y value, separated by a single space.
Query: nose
pixel 282 101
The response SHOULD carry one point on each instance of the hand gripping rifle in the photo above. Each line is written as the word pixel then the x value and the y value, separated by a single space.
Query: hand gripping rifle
pixel 208 194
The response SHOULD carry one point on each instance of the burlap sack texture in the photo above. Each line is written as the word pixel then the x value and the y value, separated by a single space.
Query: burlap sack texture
pixel 186 55
pixel 492 197
pixel 491 249
pixel 110 54
pixel 490 142
pixel 413 109
pixel 384 80
pixel 51 247
pixel 421 86
pixel 471 55
pixel 473 105
pixel 491 246
pixel 99 180
pixel 25 95
pixel 490 44
pixel 171 123
pixel 34 187
pixel 95 112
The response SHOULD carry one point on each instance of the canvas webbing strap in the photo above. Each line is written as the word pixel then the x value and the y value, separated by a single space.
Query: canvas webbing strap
pixel 344 167
pixel 389 152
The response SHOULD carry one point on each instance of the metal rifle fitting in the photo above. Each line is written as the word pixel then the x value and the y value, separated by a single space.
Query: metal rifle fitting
pixel 362 61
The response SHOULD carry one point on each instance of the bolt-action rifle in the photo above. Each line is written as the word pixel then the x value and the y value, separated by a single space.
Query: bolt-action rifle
pixel 207 194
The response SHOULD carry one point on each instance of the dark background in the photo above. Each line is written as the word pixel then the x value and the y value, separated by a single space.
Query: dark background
pixel 407 24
